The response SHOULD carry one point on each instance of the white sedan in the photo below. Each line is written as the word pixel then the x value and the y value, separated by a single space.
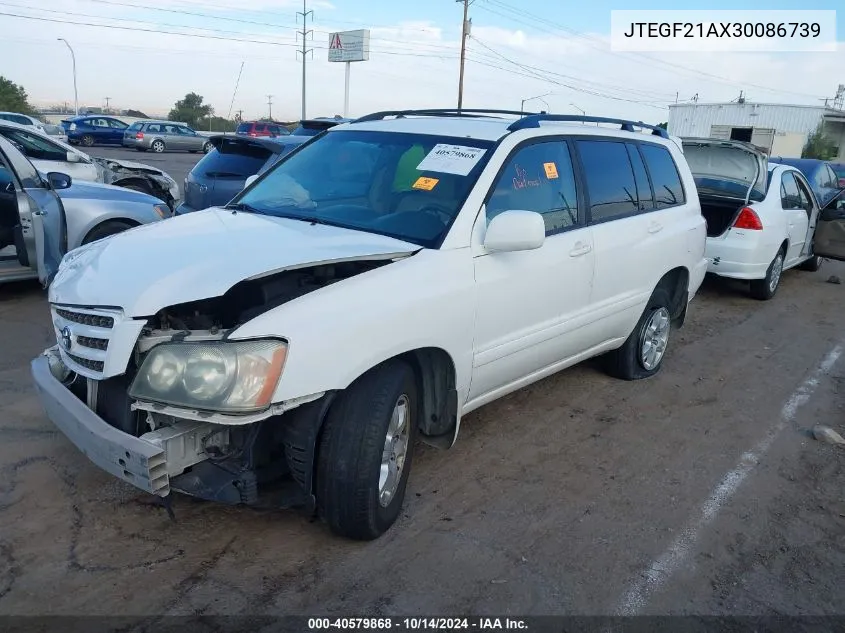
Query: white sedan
pixel 761 218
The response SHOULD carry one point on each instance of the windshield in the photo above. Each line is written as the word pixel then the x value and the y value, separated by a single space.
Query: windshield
pixel 406 186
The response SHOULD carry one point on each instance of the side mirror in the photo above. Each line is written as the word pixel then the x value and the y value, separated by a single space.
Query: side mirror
pixel 250 180
pixel 515 231
pixel 73 157
pixel 58 180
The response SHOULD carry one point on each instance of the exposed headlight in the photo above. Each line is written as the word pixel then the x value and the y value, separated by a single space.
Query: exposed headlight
pixel 162 210
pixel 233 377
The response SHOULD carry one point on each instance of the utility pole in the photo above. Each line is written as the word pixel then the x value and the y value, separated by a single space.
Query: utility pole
pixel 237 83
pixel 305 13
pixel 464 34
pixel 270 105
pixel 107 103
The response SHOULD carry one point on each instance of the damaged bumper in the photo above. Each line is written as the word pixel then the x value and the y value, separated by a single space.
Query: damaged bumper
pixel 129 458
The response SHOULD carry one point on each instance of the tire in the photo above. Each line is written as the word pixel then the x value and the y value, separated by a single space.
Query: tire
pixel 105 230
pixel 207 147
pixel 354 438
pixel 87 140
pixel 764 289
pixel 157 146
pixel 652 332
pixel 812 264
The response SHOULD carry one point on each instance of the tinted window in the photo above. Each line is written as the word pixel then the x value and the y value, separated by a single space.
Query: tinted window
pixel 35 147
pixel 644 195
pixel 790 197
pixel 539 177
pixel 610 179
pixel 665 178
pixel 402 187
pixel 233 160
pixel 25 171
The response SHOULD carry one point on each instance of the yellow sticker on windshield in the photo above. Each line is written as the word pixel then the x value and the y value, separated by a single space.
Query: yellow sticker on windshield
pixel 551 170
pixel 426 184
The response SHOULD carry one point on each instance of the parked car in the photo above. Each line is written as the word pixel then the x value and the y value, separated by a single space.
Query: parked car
pixel 819 174
pixel 42 216
pixel 312 127
pixel 55 131
pixel 261 128
pixel 373 287
pixel 94 129
pixel 223 172
pixel 49 154
pixel 761 216
pixel 161 136
pixel 839 170
pixel 23 119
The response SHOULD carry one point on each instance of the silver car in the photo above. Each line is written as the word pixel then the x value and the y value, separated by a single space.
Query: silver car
pixel 43 216
pixel 160 136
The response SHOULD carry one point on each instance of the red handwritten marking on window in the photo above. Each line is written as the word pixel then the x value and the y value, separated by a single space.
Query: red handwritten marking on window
pixel 521 180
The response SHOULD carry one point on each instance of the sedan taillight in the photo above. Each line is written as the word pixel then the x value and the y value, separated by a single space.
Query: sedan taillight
pixel 139 135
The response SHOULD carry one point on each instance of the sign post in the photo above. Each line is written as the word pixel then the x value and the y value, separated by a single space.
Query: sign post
pixel 348 47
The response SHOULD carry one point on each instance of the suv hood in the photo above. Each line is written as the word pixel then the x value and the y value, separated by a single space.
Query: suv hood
pixel 727 168
pixel 200 256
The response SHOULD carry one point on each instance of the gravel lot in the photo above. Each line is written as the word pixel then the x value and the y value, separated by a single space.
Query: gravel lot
pixel 696 492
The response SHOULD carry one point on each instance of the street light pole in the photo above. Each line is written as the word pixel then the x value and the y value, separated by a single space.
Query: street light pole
pixel 73 59
pixel 538 97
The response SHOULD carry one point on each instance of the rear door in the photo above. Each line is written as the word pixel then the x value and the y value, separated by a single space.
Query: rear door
pixel 798 208
pixel 116 130
pixel 829 238
pixel 43 229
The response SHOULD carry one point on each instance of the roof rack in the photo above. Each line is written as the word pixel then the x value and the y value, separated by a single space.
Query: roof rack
pixel 467 112
pixel 534 120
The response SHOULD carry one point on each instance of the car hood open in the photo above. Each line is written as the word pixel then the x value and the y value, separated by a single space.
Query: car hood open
pixel 202 255
pixel 728 168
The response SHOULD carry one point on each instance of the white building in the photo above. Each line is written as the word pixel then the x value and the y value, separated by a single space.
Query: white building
pixel 782 129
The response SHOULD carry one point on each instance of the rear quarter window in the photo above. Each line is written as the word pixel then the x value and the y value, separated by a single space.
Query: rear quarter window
pixel 136 126
pixel 665 178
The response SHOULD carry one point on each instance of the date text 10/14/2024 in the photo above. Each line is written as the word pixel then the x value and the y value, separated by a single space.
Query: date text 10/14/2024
pixel 418 624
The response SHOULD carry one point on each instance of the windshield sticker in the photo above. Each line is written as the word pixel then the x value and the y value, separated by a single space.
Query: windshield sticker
pixel 451 159
pixel 551 170
pixel 426 184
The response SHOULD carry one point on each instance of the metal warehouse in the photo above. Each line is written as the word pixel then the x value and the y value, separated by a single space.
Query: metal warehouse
pixel 781 129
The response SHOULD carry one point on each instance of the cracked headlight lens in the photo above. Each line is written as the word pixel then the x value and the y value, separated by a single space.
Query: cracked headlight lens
pixel 230 377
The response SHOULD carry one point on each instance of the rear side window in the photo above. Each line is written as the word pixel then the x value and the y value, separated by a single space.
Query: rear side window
pixel 790 198
pixel 538 177
pixel 136 126
pixel 668 190
pixel 610 179
pixel 233 160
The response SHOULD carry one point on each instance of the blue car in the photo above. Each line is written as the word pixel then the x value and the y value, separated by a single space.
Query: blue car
pixel 94 129
pixel 822 178
pixel 222 172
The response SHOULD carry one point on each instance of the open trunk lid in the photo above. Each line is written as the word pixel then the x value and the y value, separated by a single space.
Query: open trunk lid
pixel 727 169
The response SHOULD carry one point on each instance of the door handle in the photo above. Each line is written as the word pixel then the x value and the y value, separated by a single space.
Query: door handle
pixel 580 249
pixel 655 227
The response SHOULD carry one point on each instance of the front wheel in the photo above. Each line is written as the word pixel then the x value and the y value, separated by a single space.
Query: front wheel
pixel 87 140
pixel 641 356
pixel 812 264
pixel 365 452
pixel 764 289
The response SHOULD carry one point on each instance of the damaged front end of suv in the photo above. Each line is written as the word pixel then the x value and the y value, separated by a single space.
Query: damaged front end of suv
pixel 178 401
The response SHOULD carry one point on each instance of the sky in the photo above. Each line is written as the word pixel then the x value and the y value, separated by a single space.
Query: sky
pixel 147 54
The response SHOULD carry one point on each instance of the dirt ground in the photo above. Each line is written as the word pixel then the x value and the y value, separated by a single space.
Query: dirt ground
pixel 696 492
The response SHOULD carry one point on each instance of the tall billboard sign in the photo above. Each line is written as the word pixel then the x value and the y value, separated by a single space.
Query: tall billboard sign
pixel 348 47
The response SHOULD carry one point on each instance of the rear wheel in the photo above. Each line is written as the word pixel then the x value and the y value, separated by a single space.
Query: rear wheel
pixel 764 289
pixel 365 452
pixel 641 356
pixel 157 146
pixel 106 229
pixel 87 140
pixel 207 147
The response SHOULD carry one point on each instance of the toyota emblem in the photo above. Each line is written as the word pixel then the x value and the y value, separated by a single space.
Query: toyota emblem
pixel 67 338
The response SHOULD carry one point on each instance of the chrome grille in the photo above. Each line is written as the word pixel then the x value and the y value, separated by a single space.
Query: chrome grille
pixel 83 318
pixel 83 335
pixel 93 365
pixel 93 342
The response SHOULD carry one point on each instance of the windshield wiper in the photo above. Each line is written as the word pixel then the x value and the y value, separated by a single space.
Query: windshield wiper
pixel 242 206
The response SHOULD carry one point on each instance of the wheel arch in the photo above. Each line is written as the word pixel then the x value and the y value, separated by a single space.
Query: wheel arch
pixel 676 283
pixel 116 220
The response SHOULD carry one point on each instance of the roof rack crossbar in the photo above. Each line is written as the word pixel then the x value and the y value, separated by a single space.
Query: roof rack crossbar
pixel 534 120
pixel 467 112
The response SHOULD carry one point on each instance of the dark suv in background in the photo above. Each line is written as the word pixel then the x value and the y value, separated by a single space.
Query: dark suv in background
pixel 259 129
pixel 223 171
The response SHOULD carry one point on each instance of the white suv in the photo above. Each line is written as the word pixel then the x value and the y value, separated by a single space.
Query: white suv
pixel 372 288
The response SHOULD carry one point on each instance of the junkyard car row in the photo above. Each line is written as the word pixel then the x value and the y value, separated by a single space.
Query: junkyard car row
pixel 468 257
